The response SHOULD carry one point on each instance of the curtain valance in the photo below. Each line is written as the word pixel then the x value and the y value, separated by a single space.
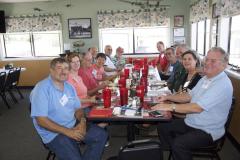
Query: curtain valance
pixel 229 7
pixel 199 11
pixel 32 23
pixel 133 18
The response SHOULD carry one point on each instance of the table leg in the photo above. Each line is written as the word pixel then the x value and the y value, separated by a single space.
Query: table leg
pixel 130 132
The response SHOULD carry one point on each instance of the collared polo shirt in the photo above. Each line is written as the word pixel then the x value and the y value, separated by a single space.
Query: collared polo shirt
pixel 59 106
pixel 109 64
pixel 162 60
pixel 214 96
pixel 98 73
pixel 88 78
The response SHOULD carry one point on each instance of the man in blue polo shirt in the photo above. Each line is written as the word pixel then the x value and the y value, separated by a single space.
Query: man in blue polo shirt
pixel 206 108
pixel 55 108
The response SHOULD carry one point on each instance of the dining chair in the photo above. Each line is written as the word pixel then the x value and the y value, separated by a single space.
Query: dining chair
pixel 15 80
pixel 146 149
pixel 11 83
pixel 213 150
pixel 51 155
pixel 3 76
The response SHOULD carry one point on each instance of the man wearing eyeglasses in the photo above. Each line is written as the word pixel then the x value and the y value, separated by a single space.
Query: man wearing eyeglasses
pixel 109 66
pixel 206 108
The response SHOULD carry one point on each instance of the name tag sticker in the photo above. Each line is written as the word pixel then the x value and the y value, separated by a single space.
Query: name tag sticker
pixel 206 84
pixel 171 68
pixel 94 72
pixel 63 100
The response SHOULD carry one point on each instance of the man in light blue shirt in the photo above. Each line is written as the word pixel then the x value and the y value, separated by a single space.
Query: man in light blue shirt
pixel 55 108
pixel 206 109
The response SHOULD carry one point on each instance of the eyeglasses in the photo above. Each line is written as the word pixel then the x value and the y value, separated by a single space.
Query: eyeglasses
pixel 75 62
pixel 212 60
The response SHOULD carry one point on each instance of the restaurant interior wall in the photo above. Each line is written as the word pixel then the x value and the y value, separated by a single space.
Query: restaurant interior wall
pixel 36 70
pixel 88 9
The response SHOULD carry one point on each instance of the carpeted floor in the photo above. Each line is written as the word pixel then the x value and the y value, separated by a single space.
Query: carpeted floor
pixel 19 140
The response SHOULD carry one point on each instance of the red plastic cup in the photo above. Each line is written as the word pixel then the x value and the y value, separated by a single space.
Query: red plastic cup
pixel 154 63
pixel 106 97
pixel 122 75
pixel 145 72
pixel 130 60
pixel 145 60
pixel 123 96
pixel 144 82
pixel 140 92
pixel 126 73
pixel 122 82
pixel 142 63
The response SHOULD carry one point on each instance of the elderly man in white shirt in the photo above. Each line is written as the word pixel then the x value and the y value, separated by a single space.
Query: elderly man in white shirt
pixel 206 108
pixel 109 66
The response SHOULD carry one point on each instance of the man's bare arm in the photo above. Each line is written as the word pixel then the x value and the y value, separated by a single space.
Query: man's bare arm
pixel 54 127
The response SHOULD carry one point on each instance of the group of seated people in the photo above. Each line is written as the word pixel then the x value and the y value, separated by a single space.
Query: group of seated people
pixel 178 65
pixel 60 102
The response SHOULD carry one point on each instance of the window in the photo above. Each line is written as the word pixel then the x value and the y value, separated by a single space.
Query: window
pixel 51 42
pixel 32 44
pixel 134 40
pixel 18 45
pixel 117 37
pixel 194 36
pixel 207 38
pixel 147 38
pixel 214 33
pixel 224 33
pixel 200 37
pixel 235 41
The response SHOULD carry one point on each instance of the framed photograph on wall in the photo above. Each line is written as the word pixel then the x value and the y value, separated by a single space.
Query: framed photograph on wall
pixel 215 13
pixel 178 21
pixel 178 32
pixel 179 40
pixel 79 28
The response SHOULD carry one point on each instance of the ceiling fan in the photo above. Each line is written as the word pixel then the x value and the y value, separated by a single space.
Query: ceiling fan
pixel 145 3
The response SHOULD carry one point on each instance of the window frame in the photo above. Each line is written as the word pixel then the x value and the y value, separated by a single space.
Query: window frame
pixel 31 35
pixel 133 43
pixel 229 41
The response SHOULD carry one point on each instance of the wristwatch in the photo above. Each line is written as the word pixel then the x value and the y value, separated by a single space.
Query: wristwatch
pixel 83 119
pixel 173 105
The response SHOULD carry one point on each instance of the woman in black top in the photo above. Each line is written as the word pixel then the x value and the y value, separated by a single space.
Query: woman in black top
pixel 190 62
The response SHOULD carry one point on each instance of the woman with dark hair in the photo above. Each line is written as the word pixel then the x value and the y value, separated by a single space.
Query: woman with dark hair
pixel 98 69
pixel 190 62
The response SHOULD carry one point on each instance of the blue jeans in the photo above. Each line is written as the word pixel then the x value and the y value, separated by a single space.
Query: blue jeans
pixel 66 148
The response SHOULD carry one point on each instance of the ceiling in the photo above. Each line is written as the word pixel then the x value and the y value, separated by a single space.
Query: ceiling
pixel 19 1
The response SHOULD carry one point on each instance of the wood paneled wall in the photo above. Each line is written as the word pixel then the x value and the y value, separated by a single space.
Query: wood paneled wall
pixel 36 70
pixel 235 122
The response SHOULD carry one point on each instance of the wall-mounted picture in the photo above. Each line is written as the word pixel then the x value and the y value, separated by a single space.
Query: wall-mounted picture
pixel 215 13
pixel 178 32
pixel 179 40
pixel 178 21
pixel 79 28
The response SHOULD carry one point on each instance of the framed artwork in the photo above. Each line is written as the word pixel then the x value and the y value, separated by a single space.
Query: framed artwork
pixel 178 21
pixel 178 32
pixel 215 13
pixel 79 28
pixel 179 40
